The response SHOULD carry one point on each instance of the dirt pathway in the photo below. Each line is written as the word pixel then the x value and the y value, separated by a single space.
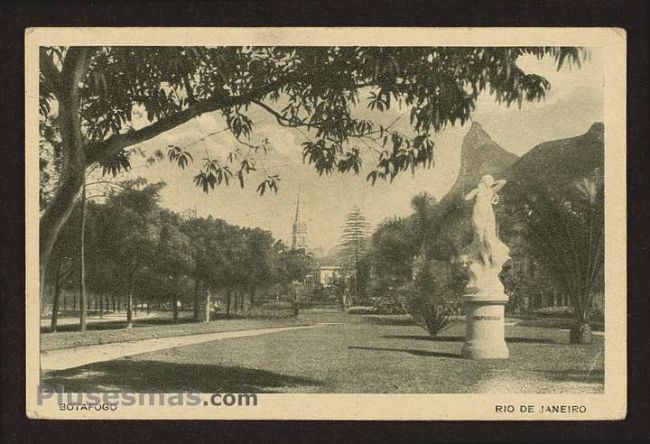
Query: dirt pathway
pixel 75 357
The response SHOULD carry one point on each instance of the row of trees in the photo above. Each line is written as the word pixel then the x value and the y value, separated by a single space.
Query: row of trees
pixel 133 251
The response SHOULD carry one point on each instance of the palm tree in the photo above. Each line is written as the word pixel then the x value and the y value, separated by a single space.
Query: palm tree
pixel 427 305
pixel 566 233
pixel 422 219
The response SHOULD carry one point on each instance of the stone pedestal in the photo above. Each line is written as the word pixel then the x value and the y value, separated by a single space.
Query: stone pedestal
pixel 485 326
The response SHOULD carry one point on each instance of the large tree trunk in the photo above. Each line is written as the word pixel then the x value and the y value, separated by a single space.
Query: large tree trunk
pixel 55 302
pixel 175 308
pixel 235 303
pixel 252 297
pixel 74 161
pixel 129 304
pixel 208 308
pixel 228 295
pixel 580 333
pixel 82 262
pixel 197 285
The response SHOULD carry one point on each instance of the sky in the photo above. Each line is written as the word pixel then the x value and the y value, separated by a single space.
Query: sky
pixel 574 102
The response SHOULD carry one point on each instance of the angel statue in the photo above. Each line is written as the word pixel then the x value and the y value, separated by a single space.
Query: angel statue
pixel 486 252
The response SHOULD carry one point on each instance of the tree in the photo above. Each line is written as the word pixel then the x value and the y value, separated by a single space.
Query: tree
pixel 393 250
pixel 353 246
pixel 130 233
pixel 354 238
pixel 422 221
pixel 172 258
pixel 353 243
pixel 289 266
pixel 95 91
pixel 200 231
pixel 258 261
pixel 565 229
pixel 64 265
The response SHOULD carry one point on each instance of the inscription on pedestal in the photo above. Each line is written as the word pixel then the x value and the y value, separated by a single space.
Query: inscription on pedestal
pixel 487 318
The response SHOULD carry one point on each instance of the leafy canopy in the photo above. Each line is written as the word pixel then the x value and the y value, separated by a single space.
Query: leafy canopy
pixel 314 89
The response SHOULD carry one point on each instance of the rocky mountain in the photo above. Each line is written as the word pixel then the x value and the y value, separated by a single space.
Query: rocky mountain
pixel 480 155
pixel 558 162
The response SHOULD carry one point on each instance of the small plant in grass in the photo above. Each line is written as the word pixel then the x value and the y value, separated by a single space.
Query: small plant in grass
pixel 426 313
pixel 432 294
pixel 361 310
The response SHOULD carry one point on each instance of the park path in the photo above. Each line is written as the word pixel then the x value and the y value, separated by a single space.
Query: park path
pixel 108 317
pixel 75 357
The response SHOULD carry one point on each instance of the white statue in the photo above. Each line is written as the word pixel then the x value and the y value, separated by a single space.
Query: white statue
pixel 486 254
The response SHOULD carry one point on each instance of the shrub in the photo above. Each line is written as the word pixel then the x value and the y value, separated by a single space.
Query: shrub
pixel 390 308
pixel 426 313
pixel 389 319
pixel 559 311
pixel 434 293
pixel 318 305
pixel 361 310
pixel 597 314
pixel 275 305
pixel 261 313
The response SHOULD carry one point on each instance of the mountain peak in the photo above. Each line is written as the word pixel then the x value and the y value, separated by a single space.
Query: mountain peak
pixel 480 152
pixel 476 136
pixel 597 128
pixel 480 155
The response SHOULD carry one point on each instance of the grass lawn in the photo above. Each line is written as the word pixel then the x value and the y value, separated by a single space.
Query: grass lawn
pixel 358 357
pixel 111 332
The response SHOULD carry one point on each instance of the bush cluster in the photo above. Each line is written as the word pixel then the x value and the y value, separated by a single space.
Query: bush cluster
pixel 262 313
pixel 362 310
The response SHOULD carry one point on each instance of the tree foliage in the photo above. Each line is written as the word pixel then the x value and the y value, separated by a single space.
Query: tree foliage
pixel 353 243
pixel 565 228
pixel 133 246
pixel 107 100
pixel 315 88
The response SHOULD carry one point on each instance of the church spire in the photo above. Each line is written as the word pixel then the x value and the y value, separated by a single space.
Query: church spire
pixel 299 229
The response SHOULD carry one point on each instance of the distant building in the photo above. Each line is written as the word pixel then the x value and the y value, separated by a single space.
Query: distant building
pixel 299 230
pixel 327 275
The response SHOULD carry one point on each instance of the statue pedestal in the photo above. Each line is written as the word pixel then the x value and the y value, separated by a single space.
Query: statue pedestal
pixel 485 326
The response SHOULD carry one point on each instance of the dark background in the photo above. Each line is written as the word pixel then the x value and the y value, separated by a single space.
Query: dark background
pixel 15 17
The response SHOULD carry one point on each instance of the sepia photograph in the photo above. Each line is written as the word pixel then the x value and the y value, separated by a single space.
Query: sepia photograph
pixel 325 223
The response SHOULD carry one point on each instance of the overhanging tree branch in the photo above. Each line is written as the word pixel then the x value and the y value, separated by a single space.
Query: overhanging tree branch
pixel 96 151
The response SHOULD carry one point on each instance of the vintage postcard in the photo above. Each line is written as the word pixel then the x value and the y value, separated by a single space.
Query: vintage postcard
pixel 326 223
